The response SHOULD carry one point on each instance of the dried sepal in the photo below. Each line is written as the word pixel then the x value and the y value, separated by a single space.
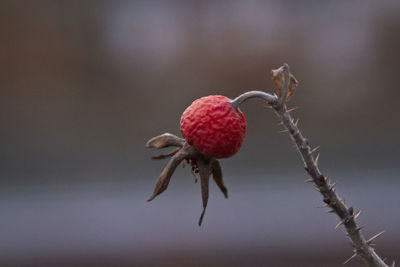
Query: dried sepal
pixel 165 176
pixel 204 165
pixel 165 140
pixel 218 177
pixel 204 168
pixel 278 77
pixel 167 155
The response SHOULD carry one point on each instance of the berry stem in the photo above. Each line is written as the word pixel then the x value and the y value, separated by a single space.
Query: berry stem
pixel 362 247
pixel 270 99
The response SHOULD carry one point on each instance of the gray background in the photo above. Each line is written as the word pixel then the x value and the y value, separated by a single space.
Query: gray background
pixel 84 84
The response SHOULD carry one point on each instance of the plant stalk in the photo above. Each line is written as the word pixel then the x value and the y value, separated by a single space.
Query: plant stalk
pixel 362 247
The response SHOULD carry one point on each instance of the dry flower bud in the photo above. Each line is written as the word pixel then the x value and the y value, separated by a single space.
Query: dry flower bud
pixel 278 78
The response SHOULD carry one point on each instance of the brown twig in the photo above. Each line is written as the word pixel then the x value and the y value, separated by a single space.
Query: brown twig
pixel 362 247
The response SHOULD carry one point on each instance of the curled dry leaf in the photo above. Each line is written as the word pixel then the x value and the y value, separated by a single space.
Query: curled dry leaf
pixel 278 78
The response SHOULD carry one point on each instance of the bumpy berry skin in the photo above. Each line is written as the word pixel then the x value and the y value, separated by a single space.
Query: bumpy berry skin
pixel 212 126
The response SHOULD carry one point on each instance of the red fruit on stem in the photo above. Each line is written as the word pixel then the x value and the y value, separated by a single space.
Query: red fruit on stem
pixel 213 126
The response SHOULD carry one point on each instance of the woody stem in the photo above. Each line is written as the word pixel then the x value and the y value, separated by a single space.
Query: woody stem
pixel 362 247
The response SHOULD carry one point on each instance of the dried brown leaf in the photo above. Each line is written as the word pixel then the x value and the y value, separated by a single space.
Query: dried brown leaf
pixel 278 78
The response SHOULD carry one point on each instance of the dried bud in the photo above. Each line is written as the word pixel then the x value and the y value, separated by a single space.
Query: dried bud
pixel 278 77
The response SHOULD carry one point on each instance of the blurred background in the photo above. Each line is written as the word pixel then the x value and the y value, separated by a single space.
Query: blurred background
pixel 84 85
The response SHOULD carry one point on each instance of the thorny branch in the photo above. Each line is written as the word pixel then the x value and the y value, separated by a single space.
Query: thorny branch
pixel 362 247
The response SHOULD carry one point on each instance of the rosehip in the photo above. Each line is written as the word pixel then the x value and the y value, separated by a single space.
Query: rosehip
pixel 213 126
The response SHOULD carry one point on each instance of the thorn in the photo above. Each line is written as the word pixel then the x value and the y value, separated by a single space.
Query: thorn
pixel 280 123
pixel 316 160
pixel 361 227
pixel 372 239
pixel 317 188
pixel 332 186
pixel 323 206
pixel 292 109
pixel 355 216
pixel 331 211
pixel 349 259
pixel 284 131
pixel 309 181
pixel 327 200
pixel 305 140
pixel 303 146
pixel 315 149
pixel 339 224
pixel 297 121
pixel 351 210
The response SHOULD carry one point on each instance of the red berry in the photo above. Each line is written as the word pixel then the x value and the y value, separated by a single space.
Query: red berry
pixel 212 126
